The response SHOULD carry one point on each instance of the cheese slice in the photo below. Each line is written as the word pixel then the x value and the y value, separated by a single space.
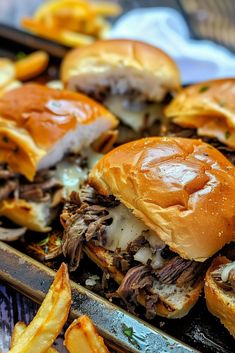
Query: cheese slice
pixel 134 113
pixel 71 175
pixel 125 228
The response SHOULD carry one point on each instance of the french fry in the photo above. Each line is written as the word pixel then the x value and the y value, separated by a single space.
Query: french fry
pixel 65 37
pixel 7 72
pixel 81 336
pixel 105 8
pixel 54 5
pixel 17 332
pixel 50 318
pixel 72 22
pixel 32 65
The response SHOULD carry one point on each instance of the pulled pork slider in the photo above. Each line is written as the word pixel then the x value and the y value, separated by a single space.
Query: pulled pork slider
pixel 153 211
pixel 40 127
pixel 131 78
pixel 208 109
pixel 220 291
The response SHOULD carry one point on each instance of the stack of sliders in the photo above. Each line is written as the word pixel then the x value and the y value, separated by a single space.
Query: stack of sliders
pixel 151 214
pixel 132 79
pixel 44 134
pixel 206 110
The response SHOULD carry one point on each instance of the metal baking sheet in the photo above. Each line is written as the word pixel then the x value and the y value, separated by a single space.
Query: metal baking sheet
pixel 199 329
pixel 33 279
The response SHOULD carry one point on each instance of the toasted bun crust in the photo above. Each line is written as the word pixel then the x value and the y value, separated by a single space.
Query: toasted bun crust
pixel 31 215
pixel 114 56
pixel 219 302
pixel 181 188
pixel 164 306
pixel 33 118
pixel 209 107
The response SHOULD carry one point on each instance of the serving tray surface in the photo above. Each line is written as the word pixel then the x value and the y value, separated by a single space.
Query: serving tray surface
pixel 199 330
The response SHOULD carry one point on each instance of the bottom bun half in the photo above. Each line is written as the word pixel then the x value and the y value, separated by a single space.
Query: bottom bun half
pixel 32 215
pixel 172 306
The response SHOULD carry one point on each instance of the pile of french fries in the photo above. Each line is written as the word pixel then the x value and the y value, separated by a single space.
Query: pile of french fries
pixel 38 337
pixel 72 23
pixel 12 73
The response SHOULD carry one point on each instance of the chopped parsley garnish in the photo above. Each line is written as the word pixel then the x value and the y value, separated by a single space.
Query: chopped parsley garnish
pixel 129 333
pixel 227 135
pixel 5 139
pixel 44 241
pixel 203 89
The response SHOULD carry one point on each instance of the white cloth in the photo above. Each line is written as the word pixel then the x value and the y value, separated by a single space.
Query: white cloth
pixel 198 60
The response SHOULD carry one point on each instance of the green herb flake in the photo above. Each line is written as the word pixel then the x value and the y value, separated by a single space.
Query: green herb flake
pixel 43 242
pixel 5 139
pixel 227 134
pixel 203 89
pixel 20 55
pixel 128 331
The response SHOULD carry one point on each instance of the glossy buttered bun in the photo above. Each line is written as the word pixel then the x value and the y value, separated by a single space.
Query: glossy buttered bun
pixel 208 107
pixel 38 125
pixel 120 66
pixel 183 189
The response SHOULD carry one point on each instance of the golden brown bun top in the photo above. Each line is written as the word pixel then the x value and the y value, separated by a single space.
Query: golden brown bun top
pixel 33 118
pixel 47 114
pixel 209 107
pixel 183 189
pixel 116 52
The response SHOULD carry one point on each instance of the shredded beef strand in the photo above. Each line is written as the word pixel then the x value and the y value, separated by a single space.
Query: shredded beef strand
pixel 38 191
pixel 150 305
pixel 122 260
pixel 227 286
pixel 90 196
pixel 138 281
pixel 190 274
pixel 82 222
pixel 137 244
pixel 172 270
pixel 137 278
pixel 8 187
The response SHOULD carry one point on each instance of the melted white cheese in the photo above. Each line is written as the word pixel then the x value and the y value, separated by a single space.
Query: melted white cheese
pixel 125 228
pixel 225 272
pixel 146 254
pixel 133 113
pixel 71 176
